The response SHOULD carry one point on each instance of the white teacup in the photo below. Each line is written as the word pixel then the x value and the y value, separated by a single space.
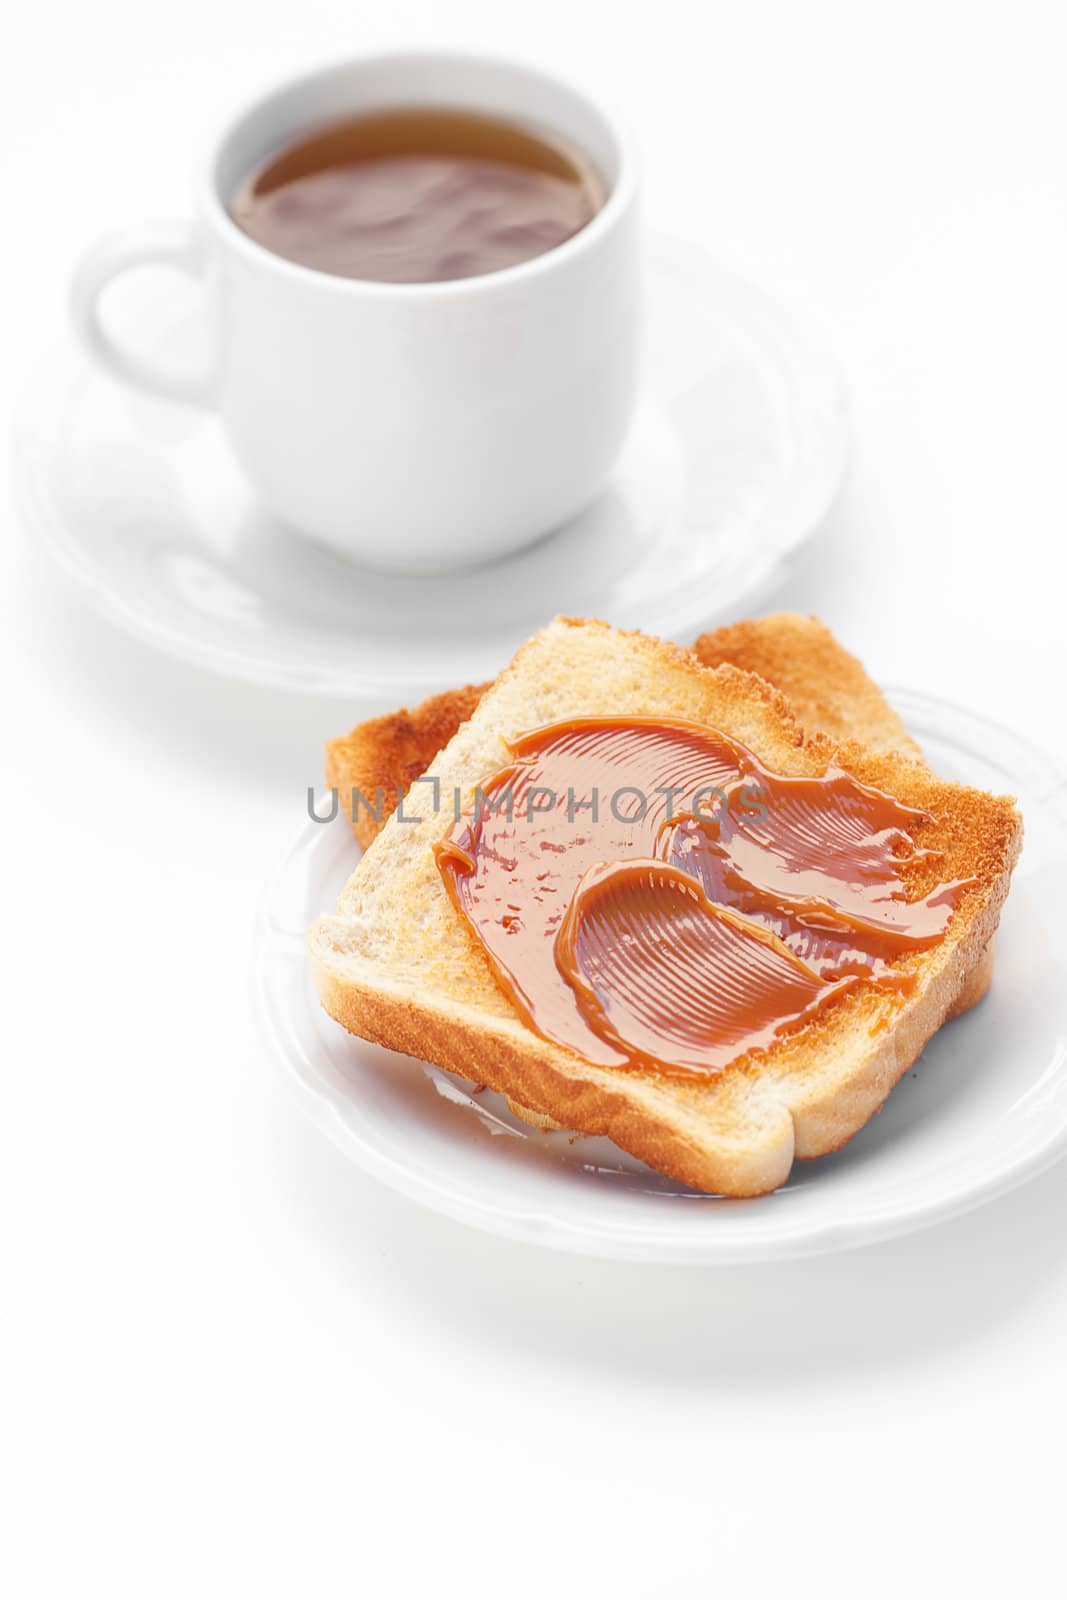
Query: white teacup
pixel 412 426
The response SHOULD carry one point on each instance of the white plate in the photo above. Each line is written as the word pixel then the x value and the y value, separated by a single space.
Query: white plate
pixel 984 1109
pixel 735 457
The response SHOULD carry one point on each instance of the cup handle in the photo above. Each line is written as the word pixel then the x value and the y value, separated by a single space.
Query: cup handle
pixel 169 245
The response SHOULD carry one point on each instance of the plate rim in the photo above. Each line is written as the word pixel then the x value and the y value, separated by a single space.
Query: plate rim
pixel 647 1244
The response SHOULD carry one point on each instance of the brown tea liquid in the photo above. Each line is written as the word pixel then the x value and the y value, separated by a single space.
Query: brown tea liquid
pixel 418 196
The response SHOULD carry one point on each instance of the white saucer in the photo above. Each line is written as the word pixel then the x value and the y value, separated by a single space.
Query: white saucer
pixel 733 460
pixel 984 1109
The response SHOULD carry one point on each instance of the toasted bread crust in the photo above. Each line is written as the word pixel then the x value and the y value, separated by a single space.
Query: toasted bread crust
pixel 976 986
pixel 385 755
pixel 534 1077
pixel 434 997
pixel 826 686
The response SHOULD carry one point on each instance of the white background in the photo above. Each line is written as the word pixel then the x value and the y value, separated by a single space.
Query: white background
pixel 231 1364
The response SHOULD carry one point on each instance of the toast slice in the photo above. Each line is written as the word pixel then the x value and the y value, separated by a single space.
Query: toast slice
pixel 381 758
pixel 398 965
pixel 827 687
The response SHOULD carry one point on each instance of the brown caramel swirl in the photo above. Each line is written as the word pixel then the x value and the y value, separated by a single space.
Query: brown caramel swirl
pixel 650 895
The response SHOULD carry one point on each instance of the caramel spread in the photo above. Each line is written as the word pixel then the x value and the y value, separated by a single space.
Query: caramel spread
pixel 650 895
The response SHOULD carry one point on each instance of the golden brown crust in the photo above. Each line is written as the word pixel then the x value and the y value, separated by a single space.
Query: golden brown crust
pixel 827 687
pixel 976 986
pixel 518 1066
pixel 379 760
